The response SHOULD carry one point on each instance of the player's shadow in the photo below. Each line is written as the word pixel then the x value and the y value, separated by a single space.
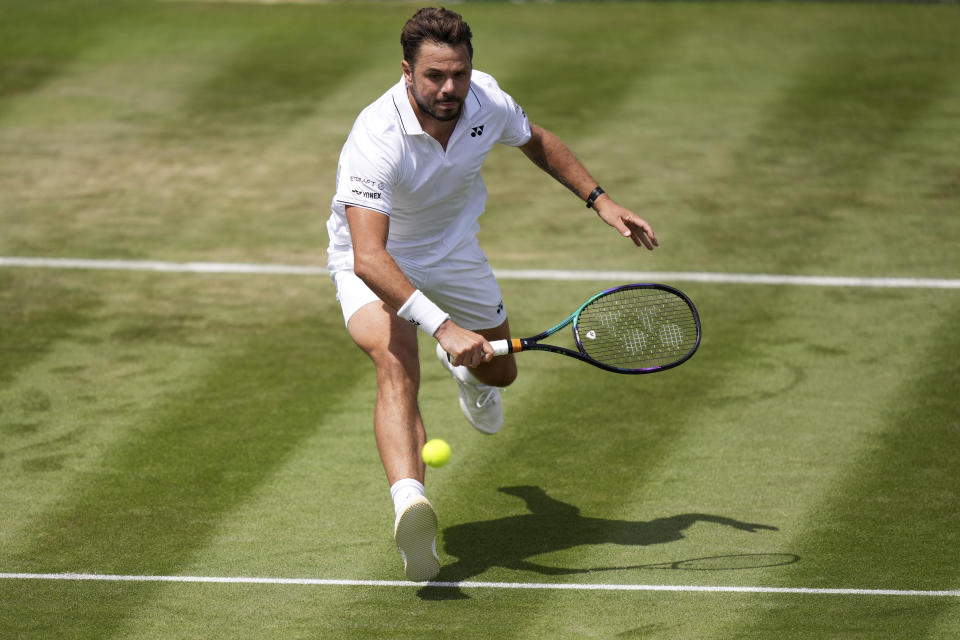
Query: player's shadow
pixel 551 526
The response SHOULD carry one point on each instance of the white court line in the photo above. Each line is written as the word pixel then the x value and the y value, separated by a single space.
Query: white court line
pixel 153 265
pixel 506 274
pixel 955 593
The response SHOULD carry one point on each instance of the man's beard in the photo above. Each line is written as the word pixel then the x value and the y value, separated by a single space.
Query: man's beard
pixel 428 110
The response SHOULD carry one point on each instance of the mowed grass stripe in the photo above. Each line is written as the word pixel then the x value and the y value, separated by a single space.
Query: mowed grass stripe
pixel 605 117
pixel 835 120
pixel 693 172
pixel 142 135
pixel 851 105
pixel 296 56
pixel 129 62
pixel 82 361
pixel 887 516
pixel 159 493
pixel 527 68
pixel 90 141
pixel 851 118
pixel 33 325
pixel 822 107
pixel 38 42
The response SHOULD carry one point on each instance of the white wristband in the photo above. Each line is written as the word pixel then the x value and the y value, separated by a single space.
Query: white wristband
pixel 419 310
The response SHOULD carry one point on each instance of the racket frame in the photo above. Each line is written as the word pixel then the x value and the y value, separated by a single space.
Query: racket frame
pixel 515 345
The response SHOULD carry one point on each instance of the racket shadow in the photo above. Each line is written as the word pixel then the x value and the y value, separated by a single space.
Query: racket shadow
pixel 553 525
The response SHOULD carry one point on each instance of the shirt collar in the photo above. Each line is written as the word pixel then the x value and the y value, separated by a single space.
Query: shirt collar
pixel 408 119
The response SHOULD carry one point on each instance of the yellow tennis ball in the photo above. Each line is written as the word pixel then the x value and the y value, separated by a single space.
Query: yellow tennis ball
pixel 436 453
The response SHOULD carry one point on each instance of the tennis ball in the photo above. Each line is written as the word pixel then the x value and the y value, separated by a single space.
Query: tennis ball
pixel 436 453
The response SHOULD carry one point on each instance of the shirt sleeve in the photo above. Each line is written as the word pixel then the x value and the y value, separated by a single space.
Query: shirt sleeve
pixel 367 171
pixel 516 132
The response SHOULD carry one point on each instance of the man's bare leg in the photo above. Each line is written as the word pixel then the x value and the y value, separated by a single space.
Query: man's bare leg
pixel 392 345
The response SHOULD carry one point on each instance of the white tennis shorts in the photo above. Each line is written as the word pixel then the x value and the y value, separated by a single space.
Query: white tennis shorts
pixel 462 284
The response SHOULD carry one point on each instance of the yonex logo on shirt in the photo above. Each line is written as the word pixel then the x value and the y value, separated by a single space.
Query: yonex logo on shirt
pixel 476 131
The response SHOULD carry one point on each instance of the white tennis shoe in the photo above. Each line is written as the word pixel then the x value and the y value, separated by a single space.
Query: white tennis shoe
pixel 480 403
pixel 415 532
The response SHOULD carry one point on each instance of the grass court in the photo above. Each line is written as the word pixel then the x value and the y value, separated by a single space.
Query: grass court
pixel 796 479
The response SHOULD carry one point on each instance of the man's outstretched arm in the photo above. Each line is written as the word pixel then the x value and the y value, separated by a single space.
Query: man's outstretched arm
pixel 549 152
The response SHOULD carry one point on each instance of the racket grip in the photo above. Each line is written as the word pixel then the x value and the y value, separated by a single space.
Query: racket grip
pixel 503 347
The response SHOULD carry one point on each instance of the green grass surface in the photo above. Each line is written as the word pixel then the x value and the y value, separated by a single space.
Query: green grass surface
pixel 220 425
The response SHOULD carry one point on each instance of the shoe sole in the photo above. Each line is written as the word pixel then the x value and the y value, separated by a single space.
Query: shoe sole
pixel 416 538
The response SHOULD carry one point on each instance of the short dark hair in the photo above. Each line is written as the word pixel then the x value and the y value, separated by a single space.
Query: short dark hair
pixel 440 26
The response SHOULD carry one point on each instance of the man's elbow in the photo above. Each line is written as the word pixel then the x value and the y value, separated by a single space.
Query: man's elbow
pixel 364 266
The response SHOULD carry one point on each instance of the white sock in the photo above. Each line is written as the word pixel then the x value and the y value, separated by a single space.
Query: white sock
pixel 402 490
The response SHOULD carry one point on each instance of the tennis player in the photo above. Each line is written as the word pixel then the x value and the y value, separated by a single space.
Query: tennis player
pixel 404 255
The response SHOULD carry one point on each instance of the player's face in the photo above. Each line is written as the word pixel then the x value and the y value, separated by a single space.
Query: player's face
pixel 439 80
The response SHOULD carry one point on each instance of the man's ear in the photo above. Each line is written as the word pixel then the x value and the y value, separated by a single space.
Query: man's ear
pixel 407 71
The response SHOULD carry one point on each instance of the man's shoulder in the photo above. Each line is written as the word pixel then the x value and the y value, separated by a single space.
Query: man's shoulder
pixel 484 83
pixel 382 112
pixel 489 94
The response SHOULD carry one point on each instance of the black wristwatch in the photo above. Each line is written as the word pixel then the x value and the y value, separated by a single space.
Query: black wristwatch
pixel 596 193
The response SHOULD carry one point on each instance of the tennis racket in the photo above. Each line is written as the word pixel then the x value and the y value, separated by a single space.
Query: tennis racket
pixel 633 328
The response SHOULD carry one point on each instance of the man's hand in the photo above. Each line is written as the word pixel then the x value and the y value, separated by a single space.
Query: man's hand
pixel 629 224
pixel 464 346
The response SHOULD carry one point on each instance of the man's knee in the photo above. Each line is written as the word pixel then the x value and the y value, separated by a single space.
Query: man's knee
pixel 499 372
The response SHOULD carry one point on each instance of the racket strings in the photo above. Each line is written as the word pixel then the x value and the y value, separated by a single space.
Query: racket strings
pixel 637 328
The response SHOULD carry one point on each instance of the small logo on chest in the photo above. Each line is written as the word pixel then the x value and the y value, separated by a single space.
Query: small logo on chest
pixel 476 131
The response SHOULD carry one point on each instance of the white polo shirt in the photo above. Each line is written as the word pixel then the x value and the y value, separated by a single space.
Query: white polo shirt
pixel 433 196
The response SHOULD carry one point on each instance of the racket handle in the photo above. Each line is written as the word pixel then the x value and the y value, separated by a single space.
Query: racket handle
pixel 503 347
pixel 500 347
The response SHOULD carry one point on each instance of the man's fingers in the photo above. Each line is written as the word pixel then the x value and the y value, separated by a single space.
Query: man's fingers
pixel 641 234
pixel 485 354
pixel 474 356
